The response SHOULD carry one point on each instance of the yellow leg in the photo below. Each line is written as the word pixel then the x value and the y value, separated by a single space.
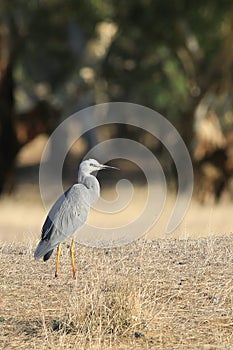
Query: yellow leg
pixel 72 258
pixel 58 259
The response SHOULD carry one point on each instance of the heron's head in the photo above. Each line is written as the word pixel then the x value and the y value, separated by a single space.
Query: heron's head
pixel 90 165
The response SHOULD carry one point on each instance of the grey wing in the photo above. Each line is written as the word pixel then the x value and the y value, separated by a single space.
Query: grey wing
pixel 48 224
pixel 72 214
pixel 67 215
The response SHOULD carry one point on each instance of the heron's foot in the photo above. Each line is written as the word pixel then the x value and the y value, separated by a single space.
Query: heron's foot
pixel 74 274
pixel 58 260
pixel 72 247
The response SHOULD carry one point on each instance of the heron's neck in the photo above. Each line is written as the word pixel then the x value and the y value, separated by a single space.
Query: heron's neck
pixel 92 184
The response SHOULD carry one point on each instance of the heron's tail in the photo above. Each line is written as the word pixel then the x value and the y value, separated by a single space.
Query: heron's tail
pixel 43 249
pixel 47 255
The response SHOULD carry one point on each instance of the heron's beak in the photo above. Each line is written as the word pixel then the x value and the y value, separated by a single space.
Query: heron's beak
pixel 108 167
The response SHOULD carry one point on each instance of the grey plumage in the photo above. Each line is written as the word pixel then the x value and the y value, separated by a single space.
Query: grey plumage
pixel 71 210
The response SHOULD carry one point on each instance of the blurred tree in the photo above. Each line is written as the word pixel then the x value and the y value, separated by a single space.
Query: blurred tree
pixel 8 142
pixel 166 55
pixel 36 55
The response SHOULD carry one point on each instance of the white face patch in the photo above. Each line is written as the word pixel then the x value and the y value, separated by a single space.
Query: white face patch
pixel 90 165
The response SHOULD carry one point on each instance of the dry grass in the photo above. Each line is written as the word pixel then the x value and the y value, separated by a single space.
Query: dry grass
pixel 163 294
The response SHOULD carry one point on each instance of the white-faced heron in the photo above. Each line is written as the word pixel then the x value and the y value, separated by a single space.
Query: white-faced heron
pixel 70 212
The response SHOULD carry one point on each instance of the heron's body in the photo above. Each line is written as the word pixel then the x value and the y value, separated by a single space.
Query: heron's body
pixel 71 210
pixel 68 214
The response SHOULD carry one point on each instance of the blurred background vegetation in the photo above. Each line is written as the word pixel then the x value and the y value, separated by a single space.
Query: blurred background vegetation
pixel 176 57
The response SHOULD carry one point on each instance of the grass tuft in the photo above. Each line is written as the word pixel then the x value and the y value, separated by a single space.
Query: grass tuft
pixel 110 309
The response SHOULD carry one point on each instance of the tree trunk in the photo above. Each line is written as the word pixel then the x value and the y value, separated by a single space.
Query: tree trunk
pixel 8 142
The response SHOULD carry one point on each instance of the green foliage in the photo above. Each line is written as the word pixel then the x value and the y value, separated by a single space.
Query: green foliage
pixel 165 53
